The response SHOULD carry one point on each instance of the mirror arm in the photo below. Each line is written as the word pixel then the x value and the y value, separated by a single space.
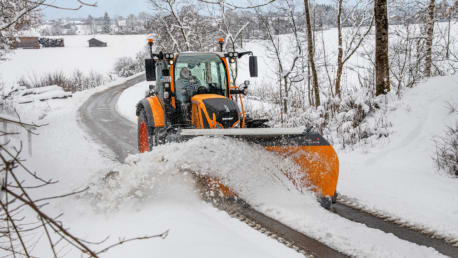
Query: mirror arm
pixel 239 55
pixel 244 92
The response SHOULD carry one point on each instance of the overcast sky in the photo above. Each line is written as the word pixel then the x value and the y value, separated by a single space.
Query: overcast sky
pixel 113 7
pixel 121 7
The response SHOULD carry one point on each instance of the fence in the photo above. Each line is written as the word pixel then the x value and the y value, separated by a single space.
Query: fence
pixel 29 128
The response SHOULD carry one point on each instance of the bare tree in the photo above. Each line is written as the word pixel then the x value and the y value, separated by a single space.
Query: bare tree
pixel 179 26
pixel 16 228
pixel 311 53
pixel 382 75
pixel 232 28
pixel 170 8
pixel 449 12
pixel 287 62
pixel 355 40
pixel 106 23
pixel 429 38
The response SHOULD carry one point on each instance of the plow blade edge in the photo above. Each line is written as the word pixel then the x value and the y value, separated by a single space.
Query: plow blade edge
pixel 316 158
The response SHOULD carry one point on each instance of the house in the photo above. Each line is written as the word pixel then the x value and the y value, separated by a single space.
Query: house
pixel 96 43
pixel 26 43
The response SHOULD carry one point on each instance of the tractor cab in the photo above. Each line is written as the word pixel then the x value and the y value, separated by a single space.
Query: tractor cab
pixel 196 73
pixel 195 90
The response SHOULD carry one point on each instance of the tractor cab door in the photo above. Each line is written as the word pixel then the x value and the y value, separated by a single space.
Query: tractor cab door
pixel 160 79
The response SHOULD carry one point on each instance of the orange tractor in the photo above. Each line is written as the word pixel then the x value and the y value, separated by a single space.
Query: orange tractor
pixel 193 96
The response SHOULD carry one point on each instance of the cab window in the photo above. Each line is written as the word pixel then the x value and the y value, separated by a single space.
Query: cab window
pixel 204 71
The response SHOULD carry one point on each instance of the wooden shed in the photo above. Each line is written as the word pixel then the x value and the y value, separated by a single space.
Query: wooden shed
pixel 26 43
pixel 96 43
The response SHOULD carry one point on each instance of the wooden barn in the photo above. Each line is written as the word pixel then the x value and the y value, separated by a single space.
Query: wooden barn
pixel 96 43
pixel 27 43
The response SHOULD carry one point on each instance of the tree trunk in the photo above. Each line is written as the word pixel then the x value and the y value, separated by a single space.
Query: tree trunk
pixel 309 90
pixel 447 50
pixel 339 50
pixel 285 98
pixel 311 54
pixel 382 75
pixel 429 38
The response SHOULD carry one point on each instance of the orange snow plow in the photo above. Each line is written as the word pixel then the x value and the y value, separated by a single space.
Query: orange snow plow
pixel 193 96
pixel 316 158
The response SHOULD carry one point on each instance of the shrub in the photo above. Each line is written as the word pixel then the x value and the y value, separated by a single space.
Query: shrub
pixel 78 81
pixel 128 66
pixel 357 118
pixel 446 153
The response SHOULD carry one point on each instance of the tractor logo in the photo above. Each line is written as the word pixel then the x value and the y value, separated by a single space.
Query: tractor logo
pixel 227 109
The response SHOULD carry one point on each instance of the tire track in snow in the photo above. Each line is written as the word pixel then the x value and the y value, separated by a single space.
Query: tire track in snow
pixel 350 208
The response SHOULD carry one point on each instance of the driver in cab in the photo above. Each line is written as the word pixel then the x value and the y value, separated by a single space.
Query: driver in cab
pixel 186 84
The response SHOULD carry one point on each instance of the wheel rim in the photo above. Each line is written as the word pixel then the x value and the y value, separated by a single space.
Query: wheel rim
pixel 143 138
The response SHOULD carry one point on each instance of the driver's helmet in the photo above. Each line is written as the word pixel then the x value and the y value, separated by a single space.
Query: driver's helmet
pixel 185 73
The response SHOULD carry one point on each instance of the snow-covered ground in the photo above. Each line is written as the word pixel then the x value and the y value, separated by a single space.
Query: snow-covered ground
pixel 152 194
pixel 76 55
pixel 398 177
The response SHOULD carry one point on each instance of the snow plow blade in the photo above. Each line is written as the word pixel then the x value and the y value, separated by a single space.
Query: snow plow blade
pixel 316 158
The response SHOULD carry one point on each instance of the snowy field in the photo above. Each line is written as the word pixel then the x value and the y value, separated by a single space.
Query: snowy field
pixel 76 55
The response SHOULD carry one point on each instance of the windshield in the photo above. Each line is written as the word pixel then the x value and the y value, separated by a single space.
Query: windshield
pixel 198 74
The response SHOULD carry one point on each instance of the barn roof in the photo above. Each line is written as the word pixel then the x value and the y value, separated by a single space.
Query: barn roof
pixel 95 40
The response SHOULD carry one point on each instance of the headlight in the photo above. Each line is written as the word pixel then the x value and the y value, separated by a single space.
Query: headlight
pixel 236 124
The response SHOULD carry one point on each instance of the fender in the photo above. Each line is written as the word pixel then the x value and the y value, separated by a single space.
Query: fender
pixel 155 115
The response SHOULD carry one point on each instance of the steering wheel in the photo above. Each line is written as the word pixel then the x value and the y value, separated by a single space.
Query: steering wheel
pixel 214 89
pixel 189 87
pixel 202 90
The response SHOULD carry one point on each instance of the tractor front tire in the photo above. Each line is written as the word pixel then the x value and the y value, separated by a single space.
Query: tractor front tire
pixel 145 133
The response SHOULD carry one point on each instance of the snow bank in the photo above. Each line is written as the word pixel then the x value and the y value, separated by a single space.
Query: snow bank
pixel 40 94
pixel 126 104
pixel 402 170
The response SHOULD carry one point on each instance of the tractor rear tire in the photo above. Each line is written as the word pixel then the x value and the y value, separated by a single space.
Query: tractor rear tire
pixel 145 133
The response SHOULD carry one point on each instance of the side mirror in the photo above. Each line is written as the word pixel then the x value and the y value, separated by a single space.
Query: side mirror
pixel 150 92
pixel 253 63
pixel 167 90
pixel 150 69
